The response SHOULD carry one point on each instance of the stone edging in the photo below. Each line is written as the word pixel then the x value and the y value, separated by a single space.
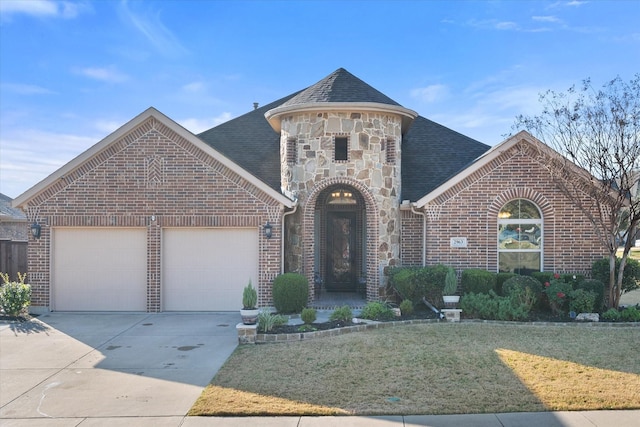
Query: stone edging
pixel 305 336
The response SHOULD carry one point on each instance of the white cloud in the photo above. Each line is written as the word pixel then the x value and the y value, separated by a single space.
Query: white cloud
pixel 43 8
pixel 432 93
pixel 196 126
pixel 107 126
pixel 150 25
pixel 25 89
pixel 551 19
pixel 196 87
pixel 105 74
pixel 27 156
pixel 506 25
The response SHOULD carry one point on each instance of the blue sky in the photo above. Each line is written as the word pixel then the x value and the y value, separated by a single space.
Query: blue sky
pixel 73 72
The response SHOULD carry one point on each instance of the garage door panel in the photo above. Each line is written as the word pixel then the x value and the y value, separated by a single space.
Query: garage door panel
pixel 99 269
pixel 205 269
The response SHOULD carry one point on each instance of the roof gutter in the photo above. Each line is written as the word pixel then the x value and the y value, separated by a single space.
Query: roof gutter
pixel 424 233
pixel 282 224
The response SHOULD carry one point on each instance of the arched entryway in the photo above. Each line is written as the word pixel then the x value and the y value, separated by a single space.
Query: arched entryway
pixel 340 253
pixel 340 223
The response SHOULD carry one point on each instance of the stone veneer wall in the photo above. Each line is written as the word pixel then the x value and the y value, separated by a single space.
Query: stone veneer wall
pixel 470 209
pixel 374 151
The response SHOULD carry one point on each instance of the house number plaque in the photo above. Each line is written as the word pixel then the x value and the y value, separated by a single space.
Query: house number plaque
pixel 458 242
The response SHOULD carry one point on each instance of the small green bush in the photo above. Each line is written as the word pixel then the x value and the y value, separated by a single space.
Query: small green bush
pixel 630 278
pixel 558 294
pixel 597 287
pixel 611 315
pixel 377 310
pixel 500 279
pixel 415 283
pixel 342 314
pixel 572 278
pixel 480 306
pixel 249 297
pixel 308 315
pixel 543 276
pixel 478 281
pixel 494 307
pixel 522 282
pixel 582 301
pixel 14 296
pixel 630 314
pixel 450 282
pixel 406 307
pixel 290 292
pixel 267 321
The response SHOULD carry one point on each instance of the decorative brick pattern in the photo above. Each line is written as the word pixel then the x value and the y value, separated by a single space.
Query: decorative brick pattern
pixel 153 178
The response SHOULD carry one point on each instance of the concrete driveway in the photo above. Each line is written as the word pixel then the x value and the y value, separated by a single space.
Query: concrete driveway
pixel 71 368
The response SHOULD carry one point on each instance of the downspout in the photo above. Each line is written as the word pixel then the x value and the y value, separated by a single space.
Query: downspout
pixel 295 208
pixel 424 233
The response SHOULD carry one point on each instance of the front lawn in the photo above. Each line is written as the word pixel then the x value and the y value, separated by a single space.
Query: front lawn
pixel 440 368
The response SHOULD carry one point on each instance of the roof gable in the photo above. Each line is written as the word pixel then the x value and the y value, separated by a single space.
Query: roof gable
pixel 129 129
pixel 482 161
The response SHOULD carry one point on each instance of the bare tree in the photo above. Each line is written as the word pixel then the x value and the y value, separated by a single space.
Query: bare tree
pixel 597 133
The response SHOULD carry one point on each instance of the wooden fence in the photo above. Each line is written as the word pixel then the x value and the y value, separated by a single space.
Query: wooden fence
pixel 13 258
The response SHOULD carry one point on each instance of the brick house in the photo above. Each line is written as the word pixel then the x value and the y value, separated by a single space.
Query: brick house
pixel 336 181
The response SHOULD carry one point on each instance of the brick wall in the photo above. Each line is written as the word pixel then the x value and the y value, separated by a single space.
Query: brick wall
pixel 152 171
pixel 470 209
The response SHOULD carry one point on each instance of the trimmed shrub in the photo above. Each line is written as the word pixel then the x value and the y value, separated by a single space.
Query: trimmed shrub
pixel 493 307
pixel 524 290
pixel 414 283
pixel 480 306
pixel 582 301
pixel 500 279
pixel 630 314
pixel 478 281
pixel 308 315
pixel 611 315
pixel 630 279
pixel 406 307
pixel 377 310
pixel 558 293
pixel 14 296
pixel 597 287
pixel 290 292
pixel 574 279
pixel 342 314
pixel 543 276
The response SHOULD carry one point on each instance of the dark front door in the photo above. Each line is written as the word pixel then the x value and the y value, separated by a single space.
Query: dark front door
pixel 341 252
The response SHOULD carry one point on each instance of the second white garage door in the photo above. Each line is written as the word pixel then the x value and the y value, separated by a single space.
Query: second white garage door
pixel 205 269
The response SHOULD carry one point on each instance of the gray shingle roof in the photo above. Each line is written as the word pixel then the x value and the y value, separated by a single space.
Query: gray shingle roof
pixel 431 153
pixel 250 142
pixel 340 86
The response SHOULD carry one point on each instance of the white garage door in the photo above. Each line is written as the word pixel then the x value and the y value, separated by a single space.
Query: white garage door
pixel 205 269
pixel 99 269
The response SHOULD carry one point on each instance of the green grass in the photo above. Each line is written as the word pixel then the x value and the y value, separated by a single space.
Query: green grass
pixel 439 368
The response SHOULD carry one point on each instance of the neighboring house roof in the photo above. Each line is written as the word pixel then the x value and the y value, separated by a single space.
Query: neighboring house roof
pixel 431 153
pixel 8 213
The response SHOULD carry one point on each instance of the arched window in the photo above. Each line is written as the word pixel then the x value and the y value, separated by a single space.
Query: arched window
pixel 520 237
